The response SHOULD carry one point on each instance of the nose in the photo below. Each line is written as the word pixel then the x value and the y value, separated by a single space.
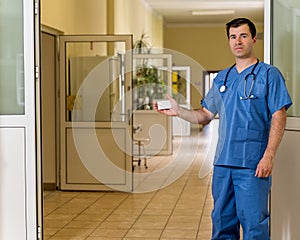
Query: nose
pixel 238 41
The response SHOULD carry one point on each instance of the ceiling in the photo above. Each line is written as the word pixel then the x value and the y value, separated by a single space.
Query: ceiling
pixel 180 11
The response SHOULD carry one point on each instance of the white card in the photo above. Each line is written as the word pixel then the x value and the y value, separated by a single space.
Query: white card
pixel 163 104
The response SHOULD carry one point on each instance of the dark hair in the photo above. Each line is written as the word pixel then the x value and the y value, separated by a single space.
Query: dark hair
pixel 241 21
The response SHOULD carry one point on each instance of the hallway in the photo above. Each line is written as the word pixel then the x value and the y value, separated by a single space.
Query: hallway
pixel 181 210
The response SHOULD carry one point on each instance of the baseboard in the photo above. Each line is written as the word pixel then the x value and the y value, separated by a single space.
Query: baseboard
pixel 49 186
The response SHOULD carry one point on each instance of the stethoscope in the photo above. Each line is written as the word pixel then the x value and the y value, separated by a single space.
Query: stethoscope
pixel 248 95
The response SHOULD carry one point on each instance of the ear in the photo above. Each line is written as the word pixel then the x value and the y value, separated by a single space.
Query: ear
pixel 254 39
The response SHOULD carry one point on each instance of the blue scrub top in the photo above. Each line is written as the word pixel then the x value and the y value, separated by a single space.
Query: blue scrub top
pixel 244 124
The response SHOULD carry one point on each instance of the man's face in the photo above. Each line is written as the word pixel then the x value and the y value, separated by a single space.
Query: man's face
pixel 241 42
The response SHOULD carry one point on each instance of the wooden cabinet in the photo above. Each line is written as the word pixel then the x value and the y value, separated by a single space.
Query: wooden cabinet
pixel 157 128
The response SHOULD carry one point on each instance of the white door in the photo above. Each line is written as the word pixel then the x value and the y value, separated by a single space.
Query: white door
pixel 285 192
pixel 95 109
pixel 18 191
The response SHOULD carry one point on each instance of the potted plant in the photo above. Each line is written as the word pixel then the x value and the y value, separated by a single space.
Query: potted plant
pixel 142 45
pixel 147 78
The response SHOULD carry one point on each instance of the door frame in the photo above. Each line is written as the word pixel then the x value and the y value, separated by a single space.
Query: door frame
pixel 55 33
pixel 65 126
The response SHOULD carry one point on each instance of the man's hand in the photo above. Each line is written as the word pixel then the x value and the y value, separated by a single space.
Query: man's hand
pixel 200 116
pixel 173 111
pixel 265 167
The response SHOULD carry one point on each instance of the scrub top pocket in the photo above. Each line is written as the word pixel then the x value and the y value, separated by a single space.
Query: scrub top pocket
pixel 259 103
pixel 247 145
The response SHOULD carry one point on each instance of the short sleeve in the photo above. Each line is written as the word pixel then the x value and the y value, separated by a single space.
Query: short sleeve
pixel 278 95
pixel 209 100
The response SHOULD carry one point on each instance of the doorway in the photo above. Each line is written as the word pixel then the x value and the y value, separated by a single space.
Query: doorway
pixel 83 58
pixel 94 112
pixel 49 102
pixel 63 168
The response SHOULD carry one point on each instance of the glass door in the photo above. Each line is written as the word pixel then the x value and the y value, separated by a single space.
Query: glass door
pixel 18 190
pixel 181 92
pixel 285 54
pixel 286 48
pixel 95 109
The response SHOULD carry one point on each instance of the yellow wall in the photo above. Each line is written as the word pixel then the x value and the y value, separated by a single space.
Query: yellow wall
pixel 90 17
pixel 75 16
pixel 135 17
pixel 207 44
pixel 157 31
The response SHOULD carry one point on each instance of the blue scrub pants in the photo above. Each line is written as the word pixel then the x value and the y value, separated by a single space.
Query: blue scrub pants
pixel 240 198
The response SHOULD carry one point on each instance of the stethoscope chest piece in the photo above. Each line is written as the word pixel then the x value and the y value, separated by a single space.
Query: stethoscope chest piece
pixel 222 88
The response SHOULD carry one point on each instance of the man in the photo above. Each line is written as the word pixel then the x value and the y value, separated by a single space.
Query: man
pixel 251 99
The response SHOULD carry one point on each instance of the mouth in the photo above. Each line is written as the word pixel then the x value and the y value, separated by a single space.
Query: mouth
pixel 238 48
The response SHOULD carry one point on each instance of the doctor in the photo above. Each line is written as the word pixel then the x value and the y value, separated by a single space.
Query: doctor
pixel 251 99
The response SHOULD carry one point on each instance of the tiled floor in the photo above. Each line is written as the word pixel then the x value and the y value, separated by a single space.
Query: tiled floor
pixel 180 210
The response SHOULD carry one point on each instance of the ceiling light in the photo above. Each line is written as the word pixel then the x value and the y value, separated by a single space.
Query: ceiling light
pixel 206 4
pixel 213 12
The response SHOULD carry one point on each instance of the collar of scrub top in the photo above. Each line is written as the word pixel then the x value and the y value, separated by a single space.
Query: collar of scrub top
pixel 249 95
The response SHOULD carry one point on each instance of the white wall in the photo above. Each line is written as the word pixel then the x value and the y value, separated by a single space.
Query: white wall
pixel 285 193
